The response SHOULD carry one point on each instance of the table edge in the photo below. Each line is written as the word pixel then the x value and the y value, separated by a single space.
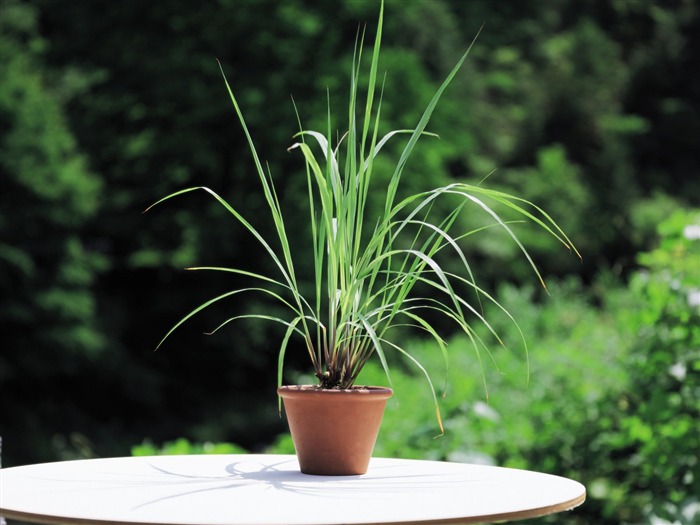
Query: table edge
pixel 507 516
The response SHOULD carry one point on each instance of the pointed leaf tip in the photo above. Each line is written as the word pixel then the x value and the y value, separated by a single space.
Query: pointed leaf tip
pixel 439 418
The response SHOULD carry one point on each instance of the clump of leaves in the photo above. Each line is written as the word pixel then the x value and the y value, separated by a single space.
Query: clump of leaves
pixel 366 266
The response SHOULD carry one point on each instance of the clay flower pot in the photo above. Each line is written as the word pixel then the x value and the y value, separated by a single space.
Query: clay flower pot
pixel 334 431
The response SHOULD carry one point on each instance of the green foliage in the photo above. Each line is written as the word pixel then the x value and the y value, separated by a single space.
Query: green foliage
pixel 653 424
pixel 47 268
pixel 183 446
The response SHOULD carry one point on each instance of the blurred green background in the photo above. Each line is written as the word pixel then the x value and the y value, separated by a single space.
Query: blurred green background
pixel 590 108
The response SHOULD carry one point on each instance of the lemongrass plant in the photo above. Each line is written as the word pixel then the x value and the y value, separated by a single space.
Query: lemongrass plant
pixel 364 283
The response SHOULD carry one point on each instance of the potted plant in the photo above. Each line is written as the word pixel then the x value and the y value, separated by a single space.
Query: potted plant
pixel 367 269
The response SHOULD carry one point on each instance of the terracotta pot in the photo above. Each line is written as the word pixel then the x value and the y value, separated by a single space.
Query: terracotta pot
pixel 334 431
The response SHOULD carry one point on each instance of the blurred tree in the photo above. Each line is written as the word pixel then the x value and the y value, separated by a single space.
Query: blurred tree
pixel 602 82
pixel 51 332
pixel 651 429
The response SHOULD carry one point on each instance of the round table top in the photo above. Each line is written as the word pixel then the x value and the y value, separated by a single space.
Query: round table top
pixel 270 490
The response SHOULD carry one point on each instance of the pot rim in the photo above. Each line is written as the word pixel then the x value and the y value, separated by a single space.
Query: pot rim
pixel 355 391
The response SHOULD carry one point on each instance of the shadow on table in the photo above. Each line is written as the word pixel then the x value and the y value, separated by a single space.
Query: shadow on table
pixel 284 476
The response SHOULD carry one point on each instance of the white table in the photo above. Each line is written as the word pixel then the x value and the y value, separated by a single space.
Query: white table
pixel 270 490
